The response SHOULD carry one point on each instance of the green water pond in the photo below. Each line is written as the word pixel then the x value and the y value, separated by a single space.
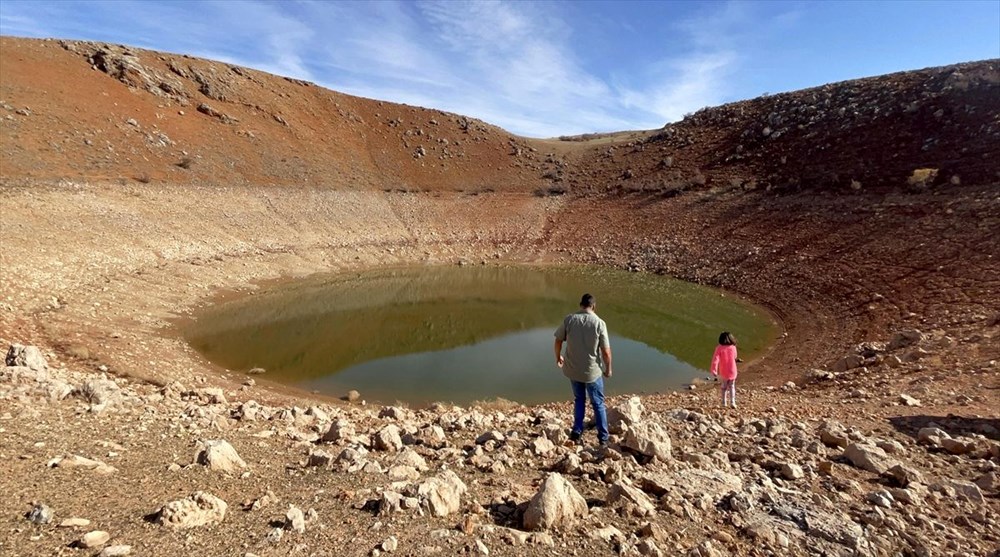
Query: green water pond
pixel 470 333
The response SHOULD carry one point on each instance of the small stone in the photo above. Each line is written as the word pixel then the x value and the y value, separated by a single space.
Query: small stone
pixel 100 393
pixel 962 489
pixel 340 430
pixel 198 509
pixel 74 523
pixel 468 524
pixel 881 498
pixel 442 494
pixel 275 535
pixel 116 551
pixel 847 362
pixel 295 520
pixel 626 413
pixel 388 439
pixel 93 539
pixel 648 438
pixel 903 475
pixel 791 471
pixel 220 455
pixel 908 400
pixel 40 514
pixel 957 446
pixel 635 500
pixel 905 338
pixel 932 435
pixel 723 537
pixel 493 435
pixel 352 396
pixel 76 461
pixel 868 457
pixel 541 446
pixel 652 530
pixel 390 544
pixel 989 481
pixel 26 356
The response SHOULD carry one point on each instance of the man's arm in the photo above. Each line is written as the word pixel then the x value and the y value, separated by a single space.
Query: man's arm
pixel 606 354
pixel 559 356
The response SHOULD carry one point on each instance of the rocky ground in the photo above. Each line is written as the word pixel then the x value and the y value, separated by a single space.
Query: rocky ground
pixel 183 469
pixel 871 428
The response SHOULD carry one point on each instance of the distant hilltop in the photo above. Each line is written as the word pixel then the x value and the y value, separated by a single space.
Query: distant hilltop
pixel 98 111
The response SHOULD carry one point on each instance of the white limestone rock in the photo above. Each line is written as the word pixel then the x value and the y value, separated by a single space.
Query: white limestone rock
pixel 221 456
pixel 626 413
pixel 649 439
pixel 388 439
pixel 868 457
pixel 557 504
pixel 198 509
pixel 442 494
pixel 637 503
pixel 340 431
pixel 27 356
pixel 96 538
pixel 295 519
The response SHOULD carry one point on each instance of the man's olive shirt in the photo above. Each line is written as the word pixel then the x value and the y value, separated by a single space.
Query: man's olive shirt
pixel 585 334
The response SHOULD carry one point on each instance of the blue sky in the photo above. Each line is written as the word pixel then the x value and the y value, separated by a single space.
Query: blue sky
pixel 542 68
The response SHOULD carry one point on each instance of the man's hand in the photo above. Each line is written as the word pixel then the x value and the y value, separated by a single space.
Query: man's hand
pixel 607 372
pixel 559 360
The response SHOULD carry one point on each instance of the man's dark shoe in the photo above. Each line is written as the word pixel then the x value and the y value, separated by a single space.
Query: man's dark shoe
pixel 575 436
pixel 603 444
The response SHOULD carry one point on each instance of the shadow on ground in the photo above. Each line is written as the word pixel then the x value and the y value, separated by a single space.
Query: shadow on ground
pixel 952 424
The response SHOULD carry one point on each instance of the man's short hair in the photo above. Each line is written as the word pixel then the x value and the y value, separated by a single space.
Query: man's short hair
pixel 587 301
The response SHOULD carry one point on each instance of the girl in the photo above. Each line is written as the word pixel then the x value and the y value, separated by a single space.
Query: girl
pixel 724 366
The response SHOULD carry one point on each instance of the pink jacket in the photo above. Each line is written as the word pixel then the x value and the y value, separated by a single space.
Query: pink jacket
pixel 724 362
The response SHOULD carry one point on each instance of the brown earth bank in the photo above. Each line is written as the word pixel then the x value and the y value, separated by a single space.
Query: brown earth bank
pixel 138 185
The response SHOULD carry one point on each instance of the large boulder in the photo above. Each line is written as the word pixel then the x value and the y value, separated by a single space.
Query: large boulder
pixel 649 439
pixel 198 509
pixel 557 504
pixel 442 494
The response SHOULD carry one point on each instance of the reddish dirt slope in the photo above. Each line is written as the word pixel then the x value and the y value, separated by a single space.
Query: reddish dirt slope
pixel 106 112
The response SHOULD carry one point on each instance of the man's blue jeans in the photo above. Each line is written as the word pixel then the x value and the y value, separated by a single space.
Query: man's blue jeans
pixel 594 391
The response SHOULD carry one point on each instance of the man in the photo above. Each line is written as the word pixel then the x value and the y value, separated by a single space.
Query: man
pixel 586 338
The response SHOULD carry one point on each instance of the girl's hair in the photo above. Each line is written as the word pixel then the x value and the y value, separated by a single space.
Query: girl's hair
pixel 727 339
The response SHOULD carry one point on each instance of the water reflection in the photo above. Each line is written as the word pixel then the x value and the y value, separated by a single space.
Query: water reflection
pixel 463 334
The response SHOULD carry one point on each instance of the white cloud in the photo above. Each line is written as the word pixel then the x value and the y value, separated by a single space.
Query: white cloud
pixel 514 64
pixel 689 85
